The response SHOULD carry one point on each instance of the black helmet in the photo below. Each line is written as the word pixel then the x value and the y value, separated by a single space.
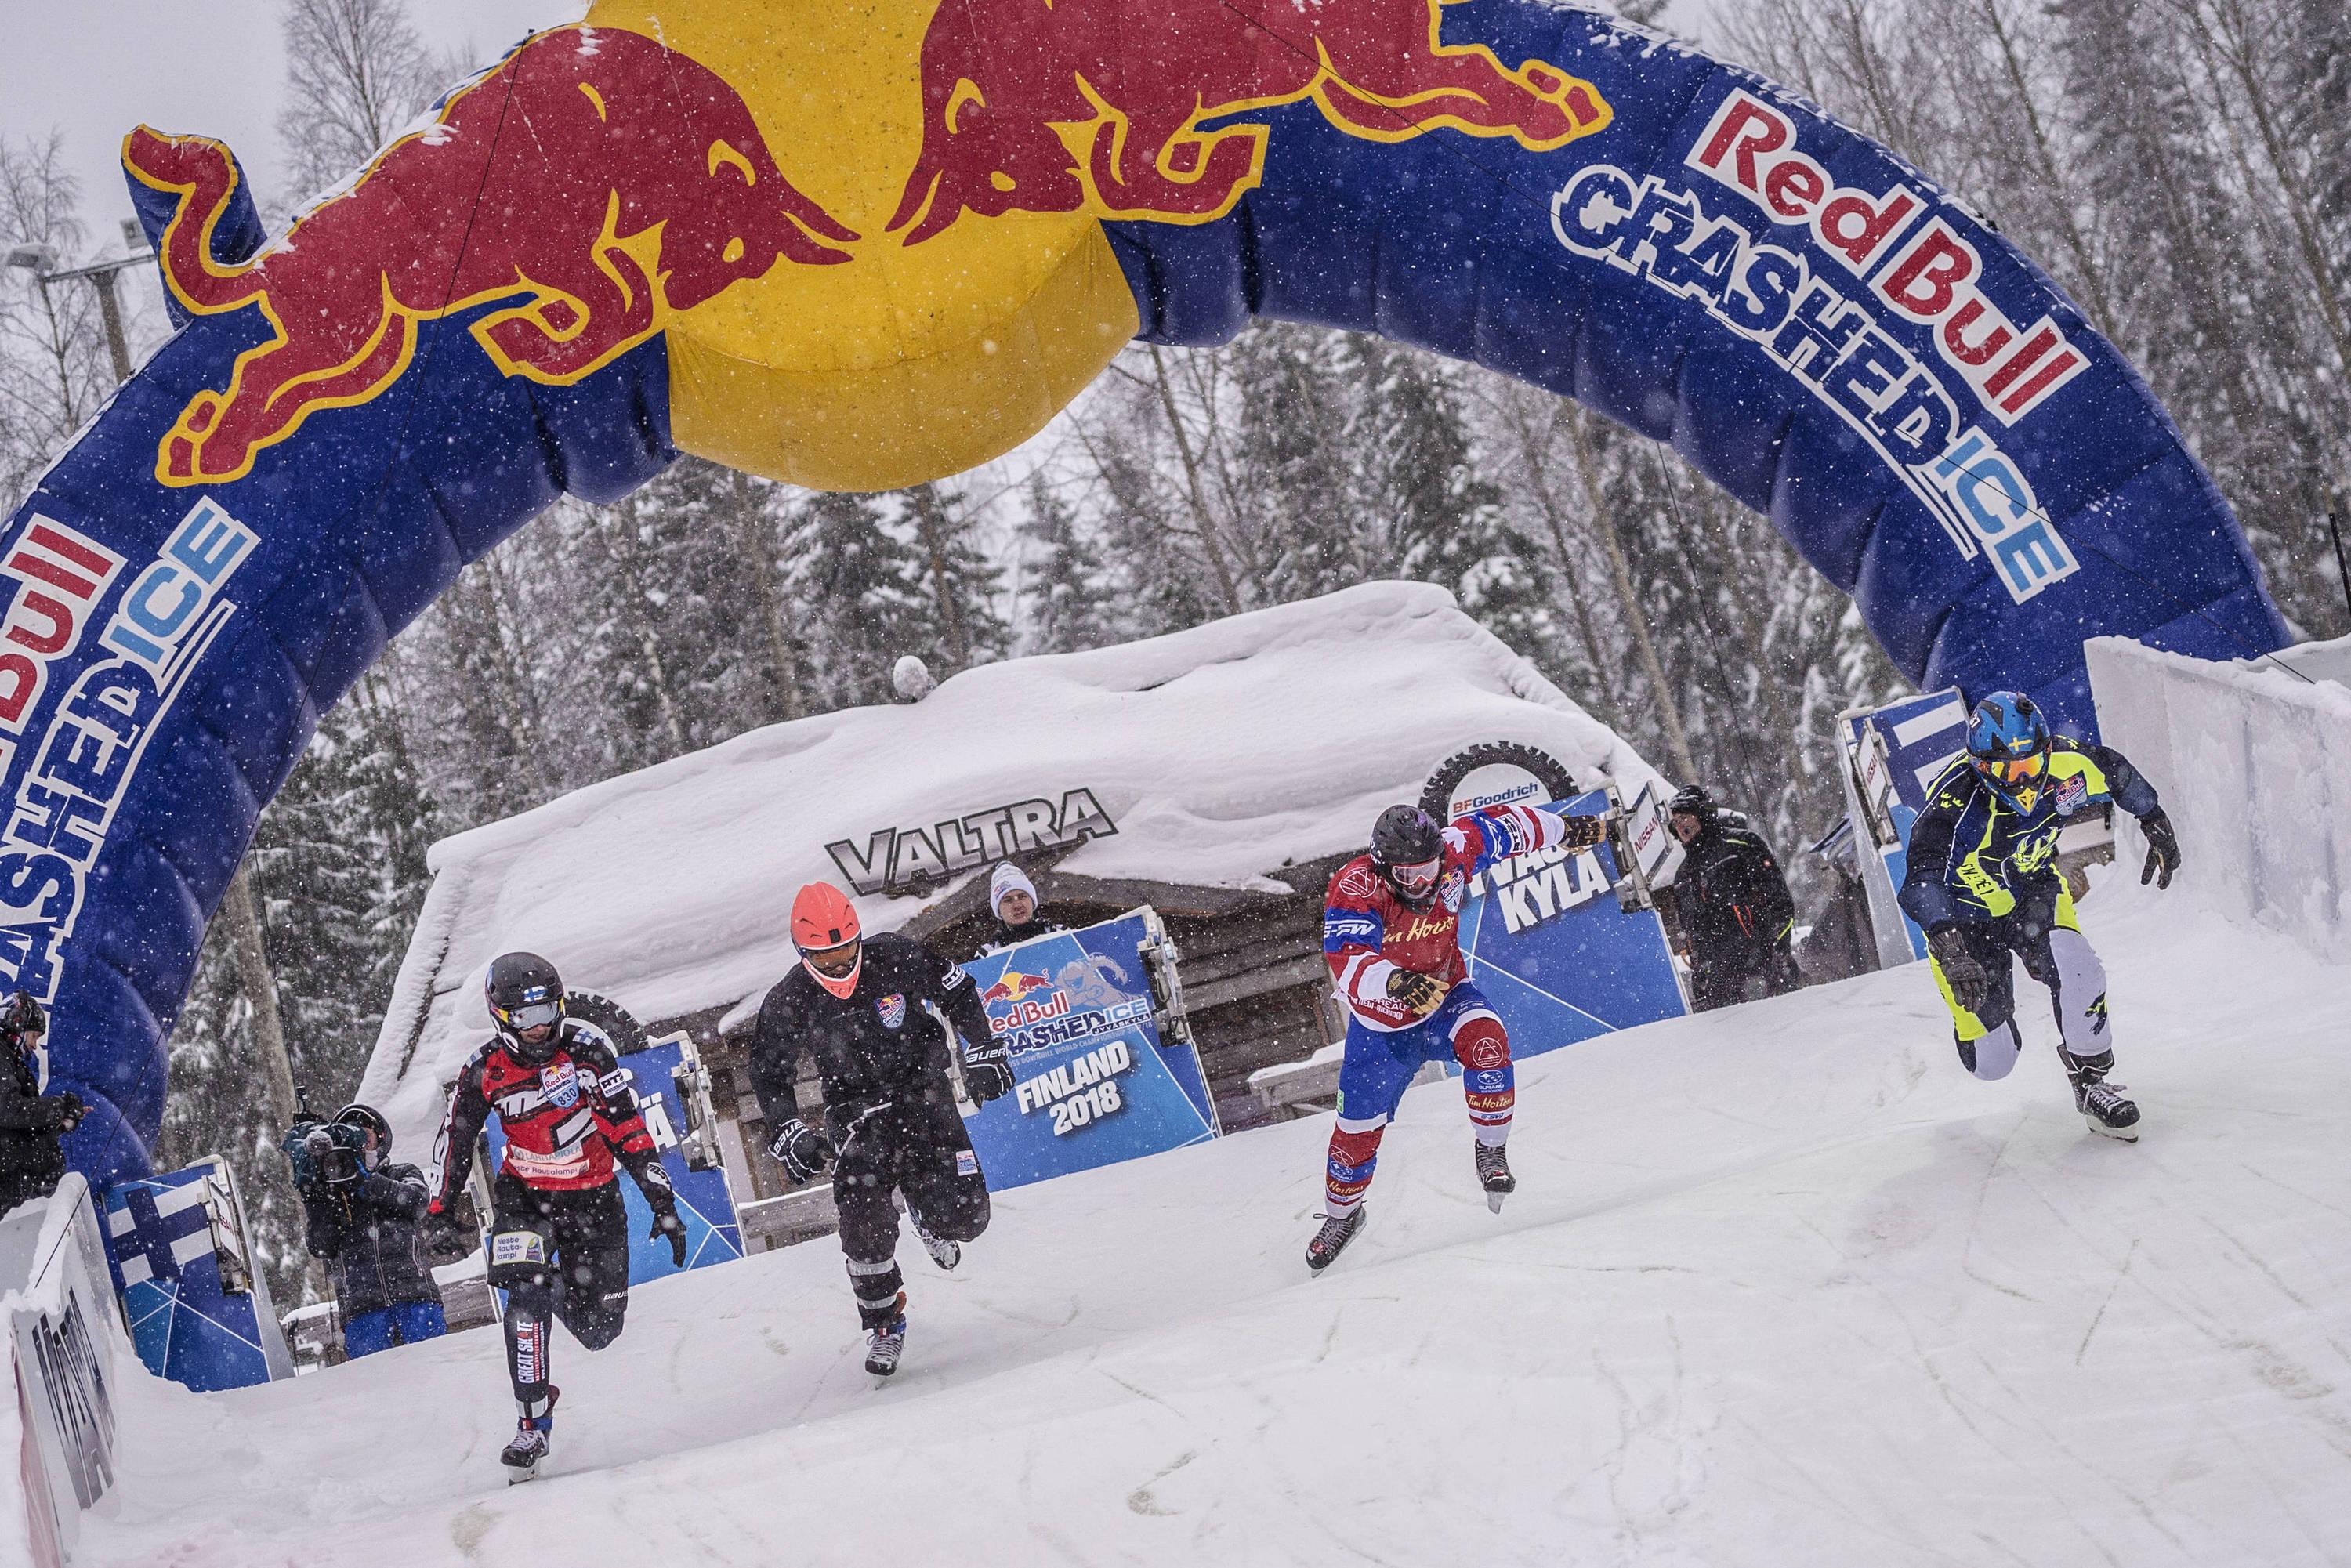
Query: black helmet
pixel 369 1119
pixel 1407 836
pixel 22 1020
pixel 524 992
pixel 1692 801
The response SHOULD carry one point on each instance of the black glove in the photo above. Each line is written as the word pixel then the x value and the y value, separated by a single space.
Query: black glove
pixel 1419 992
pixel 988 1072
pixel 73 1110
pixel 442 1239
pixel 1584 832
pixel 800 1149
pixel 1969 981
pixel 2162 849
pixel 667 1223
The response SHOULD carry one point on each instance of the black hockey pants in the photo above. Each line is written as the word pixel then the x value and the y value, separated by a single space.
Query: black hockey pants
pixel 920 1149
pixel 557 1254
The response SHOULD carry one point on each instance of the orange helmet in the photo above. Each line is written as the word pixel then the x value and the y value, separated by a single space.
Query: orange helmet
pixel 826 932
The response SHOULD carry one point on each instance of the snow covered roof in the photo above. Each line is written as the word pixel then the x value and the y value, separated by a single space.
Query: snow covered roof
pixel 1216 756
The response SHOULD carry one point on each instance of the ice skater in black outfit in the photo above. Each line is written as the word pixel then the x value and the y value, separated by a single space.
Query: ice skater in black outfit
pixel 855 1005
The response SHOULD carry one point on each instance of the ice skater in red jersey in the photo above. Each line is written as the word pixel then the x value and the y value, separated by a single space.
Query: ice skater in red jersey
pixel 559 1244
pixel 1392 936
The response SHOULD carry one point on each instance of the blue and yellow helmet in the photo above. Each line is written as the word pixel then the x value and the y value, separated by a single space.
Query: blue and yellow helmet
pixel 2008 742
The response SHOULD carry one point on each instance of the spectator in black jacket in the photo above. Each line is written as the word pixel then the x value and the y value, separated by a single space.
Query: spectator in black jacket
pixel 366 1215
pixel 1735 914
pixel 31 1123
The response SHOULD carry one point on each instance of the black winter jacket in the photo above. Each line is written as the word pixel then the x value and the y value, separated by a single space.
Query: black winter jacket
pixel 875 1046
pixel 1732 901
pixel 372 1227
pixel 30 1124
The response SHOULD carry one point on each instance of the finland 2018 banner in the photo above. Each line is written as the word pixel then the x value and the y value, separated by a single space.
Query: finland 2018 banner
pixel 1094 1080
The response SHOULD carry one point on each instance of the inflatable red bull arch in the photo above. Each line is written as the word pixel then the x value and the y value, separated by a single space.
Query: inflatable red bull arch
pixel 860 247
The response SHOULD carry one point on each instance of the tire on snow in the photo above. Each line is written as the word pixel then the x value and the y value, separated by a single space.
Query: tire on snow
pixel 1548 770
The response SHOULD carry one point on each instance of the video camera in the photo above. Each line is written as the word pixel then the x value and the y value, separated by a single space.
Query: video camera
pixel 323 1152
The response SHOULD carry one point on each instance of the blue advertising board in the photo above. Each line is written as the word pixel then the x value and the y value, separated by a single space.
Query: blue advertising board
pixel 1094 1080
pixel 703 1201
pixel 1558 956
pixel 1894 752
pixel 164 1246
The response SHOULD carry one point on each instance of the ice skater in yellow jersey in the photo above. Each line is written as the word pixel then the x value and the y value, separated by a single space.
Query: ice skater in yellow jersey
pixel 1982 884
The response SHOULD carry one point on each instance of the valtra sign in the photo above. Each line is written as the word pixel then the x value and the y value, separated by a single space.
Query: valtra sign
pixel 905 859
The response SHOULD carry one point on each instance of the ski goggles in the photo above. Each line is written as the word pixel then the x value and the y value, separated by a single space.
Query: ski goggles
pixel 836 962
pixel 533 1015
pixel 2013 770
pixel 1417 877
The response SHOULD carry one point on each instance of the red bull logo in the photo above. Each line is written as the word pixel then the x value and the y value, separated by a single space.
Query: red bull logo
pixel 595 182
pixel 1099 106
pixel 1013 986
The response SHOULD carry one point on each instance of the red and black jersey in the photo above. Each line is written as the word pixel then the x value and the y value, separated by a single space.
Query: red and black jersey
pixel 567 1121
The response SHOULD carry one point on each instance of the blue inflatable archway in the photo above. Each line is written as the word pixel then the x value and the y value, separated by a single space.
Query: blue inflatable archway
pixel 895 247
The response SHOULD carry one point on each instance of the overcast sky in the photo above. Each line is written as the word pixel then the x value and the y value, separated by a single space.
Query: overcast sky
pixel 215 66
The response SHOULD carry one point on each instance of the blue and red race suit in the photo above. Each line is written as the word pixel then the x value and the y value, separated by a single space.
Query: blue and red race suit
pixel 1371 932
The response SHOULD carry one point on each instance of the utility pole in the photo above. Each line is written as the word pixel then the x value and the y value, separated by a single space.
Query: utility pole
pixel 238 905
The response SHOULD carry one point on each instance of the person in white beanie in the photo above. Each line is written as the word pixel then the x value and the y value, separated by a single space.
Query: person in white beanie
pixel 1013 899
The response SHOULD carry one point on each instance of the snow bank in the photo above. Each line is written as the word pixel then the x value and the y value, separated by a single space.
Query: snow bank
pixel 2253 763
pixel 1221 754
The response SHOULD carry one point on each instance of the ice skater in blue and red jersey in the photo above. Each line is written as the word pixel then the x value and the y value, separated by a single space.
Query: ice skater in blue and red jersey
pixel 1392 936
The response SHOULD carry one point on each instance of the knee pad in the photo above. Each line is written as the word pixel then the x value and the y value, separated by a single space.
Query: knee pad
pixel 1991 1055
pixel 964 1223
pixel 517 1260
pixel 600 1325
pixel 1480 1043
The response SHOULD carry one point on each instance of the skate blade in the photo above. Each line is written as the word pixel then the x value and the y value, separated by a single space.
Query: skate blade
pixel 1494 1202
pixel 2120 1134
pixel 517 1474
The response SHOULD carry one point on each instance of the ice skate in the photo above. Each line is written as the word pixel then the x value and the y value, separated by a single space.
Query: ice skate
pixel 1332 1239
pixel 2102 1106
pixel 885 1345
pixel 945 1254
pixel 533 1440
pixel 1494 1175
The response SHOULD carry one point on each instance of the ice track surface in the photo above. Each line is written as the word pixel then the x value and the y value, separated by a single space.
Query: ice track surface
pixel 1777 1287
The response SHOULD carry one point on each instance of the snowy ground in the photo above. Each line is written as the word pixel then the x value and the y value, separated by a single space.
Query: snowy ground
pixel 1781 1287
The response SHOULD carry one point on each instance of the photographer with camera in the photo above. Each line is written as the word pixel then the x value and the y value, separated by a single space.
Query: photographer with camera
pixel 367 1217
pixel 31 1123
